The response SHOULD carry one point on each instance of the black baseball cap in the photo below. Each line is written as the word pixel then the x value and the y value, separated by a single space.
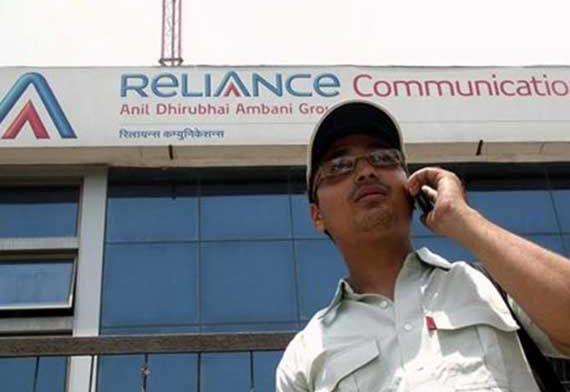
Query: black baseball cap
pixel 348 118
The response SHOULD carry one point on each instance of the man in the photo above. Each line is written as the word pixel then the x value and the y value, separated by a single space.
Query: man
pixel 412 321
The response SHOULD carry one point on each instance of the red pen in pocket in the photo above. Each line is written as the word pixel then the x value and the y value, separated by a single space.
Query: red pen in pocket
pixel 430 322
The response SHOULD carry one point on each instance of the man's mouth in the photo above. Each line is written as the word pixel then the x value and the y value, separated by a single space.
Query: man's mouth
pixel 370 192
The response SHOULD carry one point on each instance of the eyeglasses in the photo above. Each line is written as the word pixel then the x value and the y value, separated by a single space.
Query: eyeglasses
pixel 346 164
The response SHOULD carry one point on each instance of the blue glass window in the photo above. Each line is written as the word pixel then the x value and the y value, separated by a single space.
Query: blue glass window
pixel 166 373
pixel 264 366
pixel 51 374
pixel 562 204
pixel 38 282
pixel 241 212
pixel 302 225
pixel 246 326
pixel 20 374
pixel 418 228
pixel 152 213
pixel 566 241
pixel 521 211
pixel 454 252
pixel 247 282
pixel 38 211
pixel 173 373
pixel 225 372
pixel 179 372
pixel 320 266
pixel 238 252
pixel 149 284
pixel 144 329
pixel 119 373
pixel 551 242
pixel 17 374
pixel 444 247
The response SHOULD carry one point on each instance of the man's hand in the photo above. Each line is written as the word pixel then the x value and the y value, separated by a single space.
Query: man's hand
pixel 446 191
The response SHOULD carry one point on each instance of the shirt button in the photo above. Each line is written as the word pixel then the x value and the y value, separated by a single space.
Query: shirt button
pixel 408 327
pixel 384 304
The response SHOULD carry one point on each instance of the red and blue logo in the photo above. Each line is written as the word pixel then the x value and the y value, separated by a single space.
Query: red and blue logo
pixel 29 114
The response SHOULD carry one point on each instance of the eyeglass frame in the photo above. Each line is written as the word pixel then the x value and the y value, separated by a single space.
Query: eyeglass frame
pixel 355 159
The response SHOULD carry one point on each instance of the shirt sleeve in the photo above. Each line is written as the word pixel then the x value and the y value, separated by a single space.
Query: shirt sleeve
pixel 538 335
pixel 289 376
pixel 286 380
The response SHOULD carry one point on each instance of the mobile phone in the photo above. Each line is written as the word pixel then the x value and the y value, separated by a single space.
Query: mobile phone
pixel 425 204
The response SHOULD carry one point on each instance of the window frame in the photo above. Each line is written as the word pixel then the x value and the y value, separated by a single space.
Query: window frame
pixel 47 308
pixel 23 320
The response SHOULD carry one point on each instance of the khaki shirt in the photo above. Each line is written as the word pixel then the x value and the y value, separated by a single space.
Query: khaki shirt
pixel 448 329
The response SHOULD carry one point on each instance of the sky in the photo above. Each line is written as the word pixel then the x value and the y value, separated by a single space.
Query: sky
pixel 292 32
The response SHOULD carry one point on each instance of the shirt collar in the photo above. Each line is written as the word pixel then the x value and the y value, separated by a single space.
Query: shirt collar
pixel 344 290
pixel 337 299
pixel 425 255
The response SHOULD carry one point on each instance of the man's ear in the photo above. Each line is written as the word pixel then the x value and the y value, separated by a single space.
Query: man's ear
pixel 317 218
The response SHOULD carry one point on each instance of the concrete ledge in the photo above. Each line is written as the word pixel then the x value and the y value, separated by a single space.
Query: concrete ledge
pixel 275 155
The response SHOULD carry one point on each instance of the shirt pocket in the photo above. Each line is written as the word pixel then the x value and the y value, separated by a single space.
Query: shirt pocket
pixel 341 367
pixel 469 341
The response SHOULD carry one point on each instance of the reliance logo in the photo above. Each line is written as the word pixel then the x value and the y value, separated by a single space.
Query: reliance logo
pixel 29 114
pixel 230 84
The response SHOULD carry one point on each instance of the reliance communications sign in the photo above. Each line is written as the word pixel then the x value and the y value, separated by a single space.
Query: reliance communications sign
pixel 90 107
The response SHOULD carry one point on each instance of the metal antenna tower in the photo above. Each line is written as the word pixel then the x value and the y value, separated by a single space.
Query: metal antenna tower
pixel 171 53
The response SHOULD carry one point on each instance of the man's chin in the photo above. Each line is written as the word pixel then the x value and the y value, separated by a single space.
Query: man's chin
pixel 374 220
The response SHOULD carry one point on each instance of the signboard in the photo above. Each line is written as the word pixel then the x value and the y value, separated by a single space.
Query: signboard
pixel 99 107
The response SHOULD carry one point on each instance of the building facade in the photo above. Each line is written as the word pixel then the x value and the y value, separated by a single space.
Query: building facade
pixel 149 201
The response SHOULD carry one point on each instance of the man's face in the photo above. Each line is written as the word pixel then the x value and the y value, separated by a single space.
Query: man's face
pixel 370 201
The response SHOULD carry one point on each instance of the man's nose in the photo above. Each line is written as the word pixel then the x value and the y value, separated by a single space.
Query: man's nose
pixel 363 170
